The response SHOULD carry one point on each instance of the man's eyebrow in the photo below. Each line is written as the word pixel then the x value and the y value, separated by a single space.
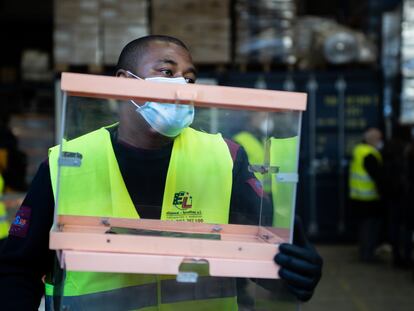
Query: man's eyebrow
pixel 168 61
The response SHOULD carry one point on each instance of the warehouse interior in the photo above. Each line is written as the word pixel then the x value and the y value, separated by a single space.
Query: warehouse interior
pixel 353 59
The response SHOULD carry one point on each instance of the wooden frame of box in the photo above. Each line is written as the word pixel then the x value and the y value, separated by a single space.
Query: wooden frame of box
pixel 85 244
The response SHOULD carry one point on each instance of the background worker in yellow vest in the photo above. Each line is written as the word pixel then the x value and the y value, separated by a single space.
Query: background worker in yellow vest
pixel 365 187
pixel 280 141
pixel 273 134
pixel 131 170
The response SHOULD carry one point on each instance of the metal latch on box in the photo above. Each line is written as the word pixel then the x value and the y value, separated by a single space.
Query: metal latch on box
pixel 263 169
pixel 187 277
pixel 73 159
pixel 190 269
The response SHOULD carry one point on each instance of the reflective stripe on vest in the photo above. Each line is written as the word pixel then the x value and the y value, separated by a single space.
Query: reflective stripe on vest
pixel 205 288
pixel 136 297
pixel 283 154
pixel 361 185
pixel 4 224
pixel 200 168
pixel 126 298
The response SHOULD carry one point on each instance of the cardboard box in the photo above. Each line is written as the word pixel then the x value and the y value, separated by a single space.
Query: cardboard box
pixel 126 11
pixel 195 30
pixel 217 52
pixel 116 36
pixel 181 7
pixel 174 10
pixel 76 11
pixel 205 28
pixel 77 44
pixel 208 40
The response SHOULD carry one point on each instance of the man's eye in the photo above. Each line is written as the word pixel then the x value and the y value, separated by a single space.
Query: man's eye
pixel 167 72
pixel 189 80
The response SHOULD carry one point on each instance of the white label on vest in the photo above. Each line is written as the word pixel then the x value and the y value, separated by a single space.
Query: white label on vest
pixel 287 177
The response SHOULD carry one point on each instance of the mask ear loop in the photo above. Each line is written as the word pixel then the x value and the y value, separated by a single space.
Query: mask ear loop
pixel 135 76
pixel 136 105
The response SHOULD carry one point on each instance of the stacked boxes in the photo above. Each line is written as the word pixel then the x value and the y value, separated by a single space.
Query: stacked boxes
pixel 116 36
pixel 77 44
pixel 122 22
pixel 265 31
pixel 203 25
pixel 76 32
pixel 126 11
pixel 77 12
pixel 93 32
pixel 35 134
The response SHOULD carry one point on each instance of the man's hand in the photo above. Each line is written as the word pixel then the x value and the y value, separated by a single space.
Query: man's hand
pixel 300 264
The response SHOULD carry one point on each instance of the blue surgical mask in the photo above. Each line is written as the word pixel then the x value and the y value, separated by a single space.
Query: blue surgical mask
pixel 166 118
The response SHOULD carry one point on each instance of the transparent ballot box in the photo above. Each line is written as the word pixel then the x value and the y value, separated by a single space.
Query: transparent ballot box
pixel 171 196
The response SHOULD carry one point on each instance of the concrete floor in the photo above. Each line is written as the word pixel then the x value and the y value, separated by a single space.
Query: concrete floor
pixel 350 285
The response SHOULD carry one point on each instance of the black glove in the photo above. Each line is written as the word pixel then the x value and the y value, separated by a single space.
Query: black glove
pixel 300 264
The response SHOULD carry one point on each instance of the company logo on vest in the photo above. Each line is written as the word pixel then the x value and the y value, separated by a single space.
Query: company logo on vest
pixel 183 200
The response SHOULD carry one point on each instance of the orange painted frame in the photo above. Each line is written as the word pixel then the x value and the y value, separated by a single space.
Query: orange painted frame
pixel 200 95
pixel 243 251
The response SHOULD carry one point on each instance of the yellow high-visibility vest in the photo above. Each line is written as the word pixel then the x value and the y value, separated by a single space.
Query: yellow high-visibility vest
pixel 199 179
pixel 361 185
pixel 4 223
pixel 254 150
pixel 283 154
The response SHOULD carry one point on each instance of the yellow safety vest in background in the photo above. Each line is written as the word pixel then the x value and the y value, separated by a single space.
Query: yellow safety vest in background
pixel 283 154
pixel 199 180
pixel 255 152
pixel 4 224
pixel 361 185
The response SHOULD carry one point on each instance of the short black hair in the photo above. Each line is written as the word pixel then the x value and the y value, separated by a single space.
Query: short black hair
pixel 132 52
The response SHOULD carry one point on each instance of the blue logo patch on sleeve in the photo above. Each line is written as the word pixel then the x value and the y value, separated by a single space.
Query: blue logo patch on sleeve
pixel 20 225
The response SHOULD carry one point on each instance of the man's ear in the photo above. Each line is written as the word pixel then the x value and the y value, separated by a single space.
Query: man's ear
pixel 121 73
